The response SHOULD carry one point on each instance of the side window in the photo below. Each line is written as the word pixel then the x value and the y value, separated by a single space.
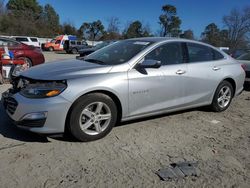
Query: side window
pixel 22 39
pixel 34 39
pixel 217 55
pixel 58 42
pixel 73 42
pixel 3 43
pixel 79 43
pixel 199 53
pixel 168 54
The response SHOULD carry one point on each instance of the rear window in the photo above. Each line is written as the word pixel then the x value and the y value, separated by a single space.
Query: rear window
pixel 34 39
pixel 22 39
pixel 10 43
pixel 217 55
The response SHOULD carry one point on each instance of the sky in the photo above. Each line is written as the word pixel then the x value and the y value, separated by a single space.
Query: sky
pixel 195 14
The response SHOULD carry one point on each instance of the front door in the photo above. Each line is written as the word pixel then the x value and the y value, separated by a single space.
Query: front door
pixel 155 89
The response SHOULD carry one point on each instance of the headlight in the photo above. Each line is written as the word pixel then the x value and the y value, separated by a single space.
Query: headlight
pixel 43 89
pixel 18 70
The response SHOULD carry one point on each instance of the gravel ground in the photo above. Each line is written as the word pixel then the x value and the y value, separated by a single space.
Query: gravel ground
pixel 131 154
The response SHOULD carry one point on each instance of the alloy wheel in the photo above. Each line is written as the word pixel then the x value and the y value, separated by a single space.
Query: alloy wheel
pixel 95 118
pixel 224 97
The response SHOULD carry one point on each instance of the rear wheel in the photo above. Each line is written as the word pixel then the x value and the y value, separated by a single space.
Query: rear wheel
pixel 222 97
pixel 74 51
pixel 92 117
pixel 27 61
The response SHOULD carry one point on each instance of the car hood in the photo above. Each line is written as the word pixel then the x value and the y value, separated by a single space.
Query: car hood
pixel 67 69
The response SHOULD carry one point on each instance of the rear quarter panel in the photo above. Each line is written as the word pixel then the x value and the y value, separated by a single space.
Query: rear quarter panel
pixel 230 68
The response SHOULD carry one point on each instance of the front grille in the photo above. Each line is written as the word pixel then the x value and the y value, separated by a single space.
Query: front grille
pixel 10 104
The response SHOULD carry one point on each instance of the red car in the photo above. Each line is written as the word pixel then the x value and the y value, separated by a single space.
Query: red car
pixel 31 54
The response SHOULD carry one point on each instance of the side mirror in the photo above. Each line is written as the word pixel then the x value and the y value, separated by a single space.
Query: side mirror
pixel 150 63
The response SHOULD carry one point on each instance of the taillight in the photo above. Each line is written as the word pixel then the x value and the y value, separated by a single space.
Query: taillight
pixel 244 67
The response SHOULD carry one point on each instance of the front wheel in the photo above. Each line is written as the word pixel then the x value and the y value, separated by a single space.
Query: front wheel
pixel 222 97
pixel 92 117
pixel 74 51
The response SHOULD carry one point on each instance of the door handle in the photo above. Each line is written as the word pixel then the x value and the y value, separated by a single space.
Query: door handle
pixel 216 68
pixel 180 72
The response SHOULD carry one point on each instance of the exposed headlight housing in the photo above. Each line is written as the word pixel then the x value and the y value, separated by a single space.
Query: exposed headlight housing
pixel 43 89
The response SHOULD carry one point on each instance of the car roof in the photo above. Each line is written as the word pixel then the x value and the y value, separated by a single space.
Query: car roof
pixel 162 39
pixel 165 39
pixel 7 38
pixel 25 36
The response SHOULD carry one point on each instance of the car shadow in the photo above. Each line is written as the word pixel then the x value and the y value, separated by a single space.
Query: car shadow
pixel 8 130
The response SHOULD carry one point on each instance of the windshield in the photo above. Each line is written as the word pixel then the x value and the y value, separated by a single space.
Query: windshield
pixel 118 53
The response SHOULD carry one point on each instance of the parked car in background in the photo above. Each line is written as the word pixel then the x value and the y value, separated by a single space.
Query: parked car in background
pixel 73 46
pixel 87 51
pixel 57 43
pixel 237 53
pixel 245 60
pixel 126 80
pixel 32 41
pixel 31 54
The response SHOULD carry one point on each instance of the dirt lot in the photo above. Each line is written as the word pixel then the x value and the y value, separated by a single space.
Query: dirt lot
pixel 133 152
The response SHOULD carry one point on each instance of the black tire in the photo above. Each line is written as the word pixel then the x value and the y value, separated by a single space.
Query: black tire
pixel 74 51
pixel 51 49
pixel 76 116
pixel 27 60
pixel 216 106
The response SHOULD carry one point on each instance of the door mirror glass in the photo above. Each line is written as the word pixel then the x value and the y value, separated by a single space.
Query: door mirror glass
pixel 150 63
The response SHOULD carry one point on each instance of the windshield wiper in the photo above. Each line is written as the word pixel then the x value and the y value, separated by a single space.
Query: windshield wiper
pixel 94 61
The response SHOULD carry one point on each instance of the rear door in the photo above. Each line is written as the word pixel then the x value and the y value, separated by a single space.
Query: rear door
pixel 204 73
pixel 162 88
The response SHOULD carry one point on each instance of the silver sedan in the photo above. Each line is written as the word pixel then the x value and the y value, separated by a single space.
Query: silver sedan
pixel 126 80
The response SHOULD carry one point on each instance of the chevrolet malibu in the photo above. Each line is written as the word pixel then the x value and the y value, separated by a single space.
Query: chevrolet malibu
pixel 127 80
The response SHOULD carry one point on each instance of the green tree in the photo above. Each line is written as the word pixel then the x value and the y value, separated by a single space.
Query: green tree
pixel 169 22
pixel 28 8
pixel 68 29
pixel 211 35
pixel 51 20
pixel 92 30
pixel 188 34
pixel 136 29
